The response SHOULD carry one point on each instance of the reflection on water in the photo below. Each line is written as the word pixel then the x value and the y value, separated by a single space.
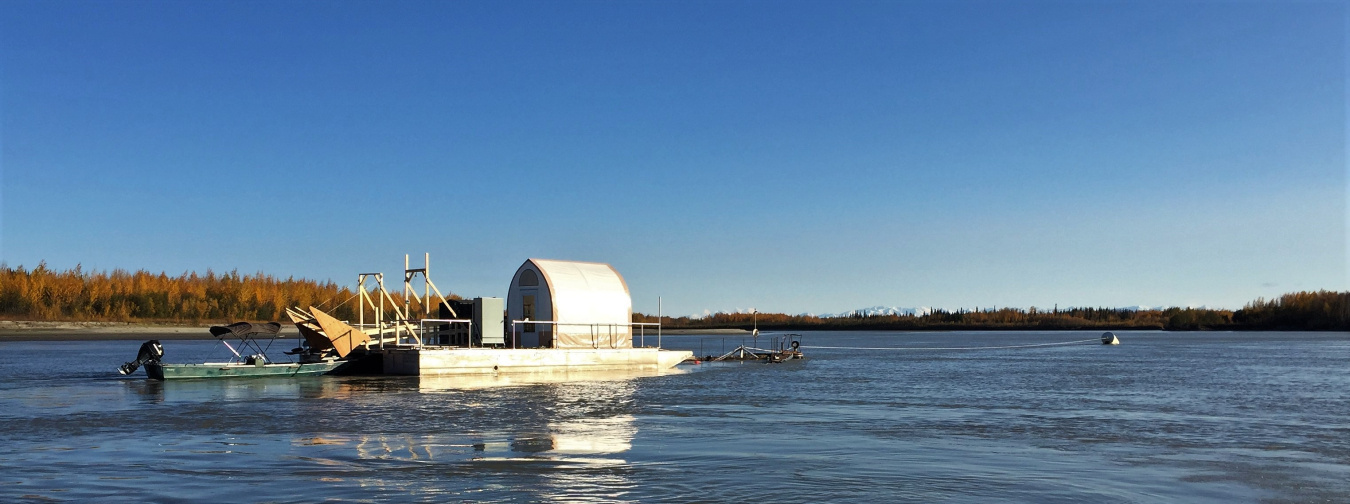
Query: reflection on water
pixel 565 434
pixel 247 389
pixel 258 389
pixel 594 435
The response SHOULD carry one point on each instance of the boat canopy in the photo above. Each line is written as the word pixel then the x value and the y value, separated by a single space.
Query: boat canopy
pixel 242 330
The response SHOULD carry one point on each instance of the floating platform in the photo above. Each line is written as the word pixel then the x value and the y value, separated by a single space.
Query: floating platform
pixel 466 382
pixel 789 348
pixel 747 353
pixel 433 361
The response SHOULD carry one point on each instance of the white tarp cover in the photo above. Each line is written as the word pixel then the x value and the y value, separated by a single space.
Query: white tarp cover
pixel 590 303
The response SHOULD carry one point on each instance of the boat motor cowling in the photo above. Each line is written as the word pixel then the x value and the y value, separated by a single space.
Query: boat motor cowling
pixel 151 351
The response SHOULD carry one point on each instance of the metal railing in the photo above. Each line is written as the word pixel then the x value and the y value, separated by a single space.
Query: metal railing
pixel 642 326
pixel 595 330
pixel 422 327
pixel 392 331
pixel 397 328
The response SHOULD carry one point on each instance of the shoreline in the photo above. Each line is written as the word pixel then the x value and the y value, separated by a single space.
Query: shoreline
pixel 20 330
pixel 12 330
pixel 682 332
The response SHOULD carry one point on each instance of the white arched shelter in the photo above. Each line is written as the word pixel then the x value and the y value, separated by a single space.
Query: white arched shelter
pixel 587 304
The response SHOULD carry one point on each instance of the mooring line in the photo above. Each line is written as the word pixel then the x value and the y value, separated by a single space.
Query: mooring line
pixel 1075 342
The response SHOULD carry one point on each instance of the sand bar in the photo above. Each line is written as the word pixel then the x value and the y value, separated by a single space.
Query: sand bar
pixel 20 330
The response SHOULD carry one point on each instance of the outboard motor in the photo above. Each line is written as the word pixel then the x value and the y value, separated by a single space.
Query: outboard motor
pixel 151 351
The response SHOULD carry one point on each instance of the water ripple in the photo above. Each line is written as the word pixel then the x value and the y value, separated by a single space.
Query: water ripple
pixel 1222 417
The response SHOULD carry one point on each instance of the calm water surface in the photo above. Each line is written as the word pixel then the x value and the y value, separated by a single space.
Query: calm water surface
pixel 1210 417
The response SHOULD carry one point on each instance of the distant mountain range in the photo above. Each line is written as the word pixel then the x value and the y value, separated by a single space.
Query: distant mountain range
pixel 1147 308
pixel 878 311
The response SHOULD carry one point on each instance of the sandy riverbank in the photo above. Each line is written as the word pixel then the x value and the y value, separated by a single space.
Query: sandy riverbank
pixel 11 330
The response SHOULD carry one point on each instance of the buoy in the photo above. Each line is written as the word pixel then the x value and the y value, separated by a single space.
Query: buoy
pixel 1109 338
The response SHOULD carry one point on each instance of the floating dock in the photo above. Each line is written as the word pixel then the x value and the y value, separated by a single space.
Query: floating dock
pixel 561 316
pixel 483 361
pixel 788 348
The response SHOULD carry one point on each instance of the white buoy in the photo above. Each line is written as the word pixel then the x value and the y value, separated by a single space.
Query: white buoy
pixel 1109 338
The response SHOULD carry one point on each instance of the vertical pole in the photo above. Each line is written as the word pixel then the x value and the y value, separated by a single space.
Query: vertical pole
pixel 379 315
pixel 658 321
pixel 426 289
pixel 407 295
pixel 407 287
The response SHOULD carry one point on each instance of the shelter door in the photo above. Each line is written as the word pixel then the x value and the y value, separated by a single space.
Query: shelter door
pixel 527 307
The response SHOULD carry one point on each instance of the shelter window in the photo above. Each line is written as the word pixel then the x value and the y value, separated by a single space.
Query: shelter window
pixel 528 278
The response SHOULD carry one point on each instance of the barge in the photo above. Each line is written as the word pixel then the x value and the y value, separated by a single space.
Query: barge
pixel 559 316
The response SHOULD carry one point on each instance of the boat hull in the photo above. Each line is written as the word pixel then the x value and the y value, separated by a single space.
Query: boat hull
pixel 160 371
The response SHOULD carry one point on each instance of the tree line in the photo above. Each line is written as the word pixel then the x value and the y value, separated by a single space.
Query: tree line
pixel 1318 311
pixel 141 296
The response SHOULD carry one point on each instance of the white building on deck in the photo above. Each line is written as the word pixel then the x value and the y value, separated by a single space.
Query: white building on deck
pixel 577 304
pixel 578 315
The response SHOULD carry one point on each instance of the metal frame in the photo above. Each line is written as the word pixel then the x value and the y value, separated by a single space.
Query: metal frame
pixel 246 342
pixel 402 323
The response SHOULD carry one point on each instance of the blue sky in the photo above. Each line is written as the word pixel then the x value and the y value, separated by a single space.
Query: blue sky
pixel 788 156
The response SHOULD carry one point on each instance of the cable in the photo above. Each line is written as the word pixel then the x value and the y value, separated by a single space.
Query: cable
pixel 1075 342
pixel 353 296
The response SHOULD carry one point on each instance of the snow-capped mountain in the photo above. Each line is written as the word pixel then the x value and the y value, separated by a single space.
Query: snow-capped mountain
pixel 1189 306
pixel 877 311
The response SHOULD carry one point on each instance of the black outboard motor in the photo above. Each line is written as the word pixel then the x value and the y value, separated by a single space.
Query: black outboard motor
pixel 151 351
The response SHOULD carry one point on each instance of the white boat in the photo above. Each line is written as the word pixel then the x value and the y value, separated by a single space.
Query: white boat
pixel 250 358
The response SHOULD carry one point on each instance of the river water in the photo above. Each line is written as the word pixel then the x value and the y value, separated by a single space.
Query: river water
pixel 1164 417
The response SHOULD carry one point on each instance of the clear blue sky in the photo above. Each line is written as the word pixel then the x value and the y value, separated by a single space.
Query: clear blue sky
pixel 788 156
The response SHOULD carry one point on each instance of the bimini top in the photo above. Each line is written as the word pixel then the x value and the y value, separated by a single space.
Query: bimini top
pixel 243 329
pixel 589 302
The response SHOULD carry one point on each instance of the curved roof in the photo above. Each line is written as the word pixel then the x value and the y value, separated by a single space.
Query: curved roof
pixel 585 294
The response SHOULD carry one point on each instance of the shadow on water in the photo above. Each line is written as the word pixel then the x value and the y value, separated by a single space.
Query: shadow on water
pixel 259 389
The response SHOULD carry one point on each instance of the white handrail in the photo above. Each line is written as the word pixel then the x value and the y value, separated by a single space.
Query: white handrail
pixel 592 325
